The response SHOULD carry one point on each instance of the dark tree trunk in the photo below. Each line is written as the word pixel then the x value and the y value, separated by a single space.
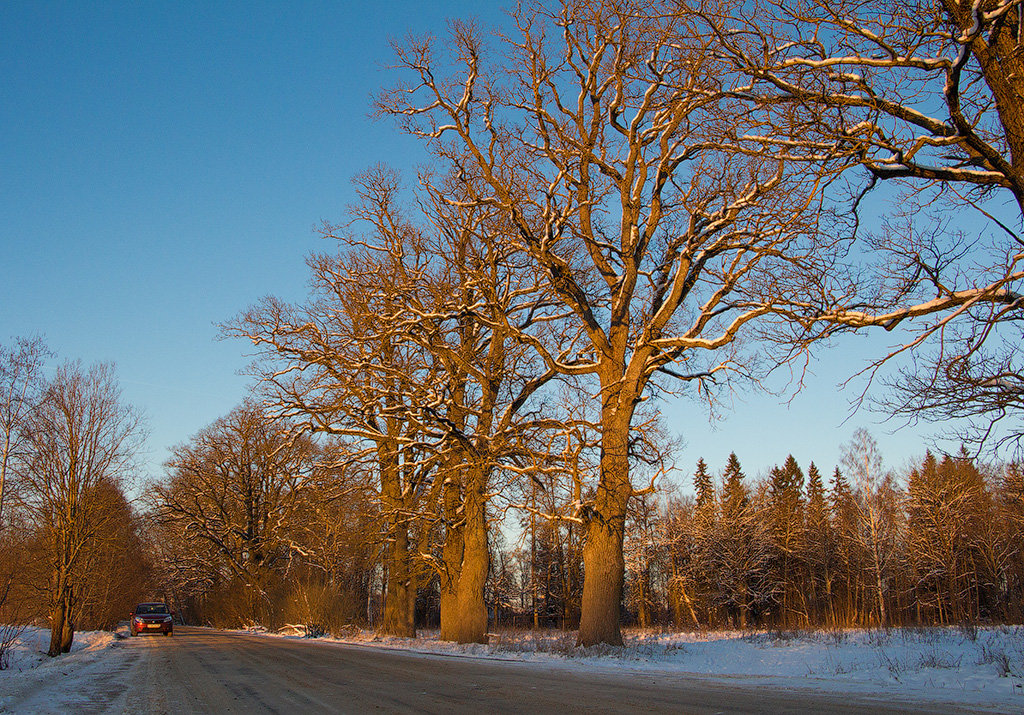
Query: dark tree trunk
pixel 400 595
pixel 57 617
pixel 452 557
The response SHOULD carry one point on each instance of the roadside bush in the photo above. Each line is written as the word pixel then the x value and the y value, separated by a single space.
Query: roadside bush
pixel 321 607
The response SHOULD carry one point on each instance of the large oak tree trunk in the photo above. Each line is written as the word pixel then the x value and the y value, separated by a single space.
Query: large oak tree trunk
pixel 399 618
pixel 472 610
pixel 399 596
pixel 452 557
pixel 603 563
pixel 604 569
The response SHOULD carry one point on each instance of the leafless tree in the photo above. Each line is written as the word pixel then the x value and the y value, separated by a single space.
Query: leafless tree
pixel 440 314
pixel 339 365
pixel 474 311
pixel 21 380
pixel 610 140
pixel 924 98
pixel 115 569
pixel 877 524
pixel 236 489
pixel 80 435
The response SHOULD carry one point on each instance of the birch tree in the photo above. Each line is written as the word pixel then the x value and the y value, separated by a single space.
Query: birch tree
pixel 81 435
pixel 608 138
pixel 21 381
pixel 877 522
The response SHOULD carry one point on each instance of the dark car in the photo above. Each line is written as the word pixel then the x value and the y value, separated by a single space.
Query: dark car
pixel 152 618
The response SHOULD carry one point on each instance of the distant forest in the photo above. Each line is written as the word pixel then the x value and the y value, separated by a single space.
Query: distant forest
pixel 862 547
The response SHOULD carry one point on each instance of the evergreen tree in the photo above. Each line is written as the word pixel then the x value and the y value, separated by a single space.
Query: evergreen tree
pixel 787 530
pixel 703 487
pixel 735 497
pixel 1011 520
pixel 703 529
pixel 843 521
pixel 740 555
pixel 947 509
pixel 1011 493
pixel 819 547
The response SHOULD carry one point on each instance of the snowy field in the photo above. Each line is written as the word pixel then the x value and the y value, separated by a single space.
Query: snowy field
pixel 980 668
pixel 977 667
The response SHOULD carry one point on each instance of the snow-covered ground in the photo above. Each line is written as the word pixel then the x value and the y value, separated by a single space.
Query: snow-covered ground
pixel 29 651
pixel 982 667
pixel 29 666
pixel 979 668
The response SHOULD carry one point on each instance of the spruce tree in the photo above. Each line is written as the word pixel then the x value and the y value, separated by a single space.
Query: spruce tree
pixel 734 493
pixel 786 527
pixel 704 535
pixel 843 517
pixel 819 545
pixel 1011 518
pixel 1011 493
pixel 703 487
pixel 739 557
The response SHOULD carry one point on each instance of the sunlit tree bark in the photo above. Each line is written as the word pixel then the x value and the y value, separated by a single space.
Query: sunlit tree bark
pixel 610 141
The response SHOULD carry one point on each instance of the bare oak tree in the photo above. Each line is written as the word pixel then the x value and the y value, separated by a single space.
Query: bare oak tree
pixel 440 314
pixel 609 139
pixel 924 98
pixel 338 365
pixel 236 488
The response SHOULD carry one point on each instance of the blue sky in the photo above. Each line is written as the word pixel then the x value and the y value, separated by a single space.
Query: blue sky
pixel 162 167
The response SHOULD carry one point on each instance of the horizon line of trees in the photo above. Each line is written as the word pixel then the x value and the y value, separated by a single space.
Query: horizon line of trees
pixel 938 545
pixel 257 523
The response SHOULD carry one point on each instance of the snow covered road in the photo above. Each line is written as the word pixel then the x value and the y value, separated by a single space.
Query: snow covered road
pixel 201 670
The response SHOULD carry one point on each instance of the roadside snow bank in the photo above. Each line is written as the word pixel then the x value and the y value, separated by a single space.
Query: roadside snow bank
pixel 29 663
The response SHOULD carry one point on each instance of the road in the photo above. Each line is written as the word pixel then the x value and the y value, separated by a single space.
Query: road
pixel 205 671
